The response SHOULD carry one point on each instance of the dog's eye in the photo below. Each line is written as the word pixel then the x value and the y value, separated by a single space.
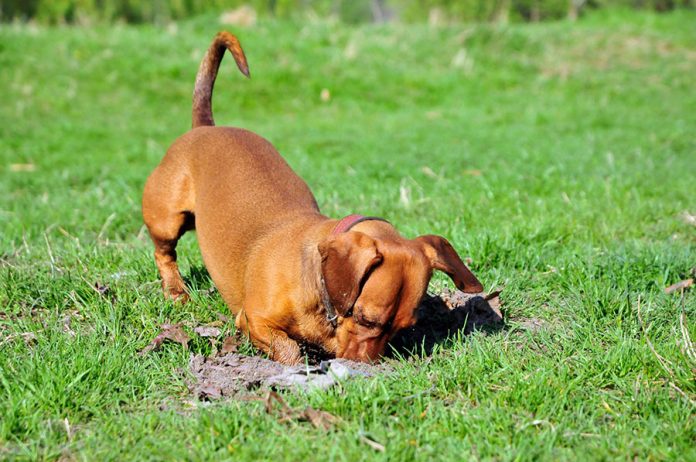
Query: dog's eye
pixel 349 313
pixel 369 323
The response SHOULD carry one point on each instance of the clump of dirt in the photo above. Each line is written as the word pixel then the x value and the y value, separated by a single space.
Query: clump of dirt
pixel 229 375
pixel 232 374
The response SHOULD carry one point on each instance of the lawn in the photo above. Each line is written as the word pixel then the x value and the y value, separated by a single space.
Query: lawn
pixel 560 157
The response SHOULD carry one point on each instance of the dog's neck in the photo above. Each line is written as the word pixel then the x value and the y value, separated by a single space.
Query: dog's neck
pixel 313 280
pixel 347 222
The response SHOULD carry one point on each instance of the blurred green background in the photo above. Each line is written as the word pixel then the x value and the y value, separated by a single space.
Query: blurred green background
pixel 351 11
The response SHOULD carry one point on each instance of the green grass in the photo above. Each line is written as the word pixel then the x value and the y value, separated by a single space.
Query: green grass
pixel 583 135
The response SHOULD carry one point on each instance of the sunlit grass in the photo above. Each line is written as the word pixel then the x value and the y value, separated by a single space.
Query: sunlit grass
pixel 560 157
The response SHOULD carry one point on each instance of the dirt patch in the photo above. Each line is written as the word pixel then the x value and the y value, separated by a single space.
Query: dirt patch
pixel 234 375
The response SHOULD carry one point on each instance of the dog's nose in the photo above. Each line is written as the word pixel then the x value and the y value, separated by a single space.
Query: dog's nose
pixel 366 352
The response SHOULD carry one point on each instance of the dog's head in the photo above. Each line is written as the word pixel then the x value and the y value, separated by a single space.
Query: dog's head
pixel 375 285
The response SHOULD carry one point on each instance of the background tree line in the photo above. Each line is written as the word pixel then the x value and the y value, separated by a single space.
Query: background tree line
pixel 138 11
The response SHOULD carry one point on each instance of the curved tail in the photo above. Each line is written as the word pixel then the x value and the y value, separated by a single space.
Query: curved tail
pixel 205 79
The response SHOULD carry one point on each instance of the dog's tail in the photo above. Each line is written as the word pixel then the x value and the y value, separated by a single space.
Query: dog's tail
pixel 205 79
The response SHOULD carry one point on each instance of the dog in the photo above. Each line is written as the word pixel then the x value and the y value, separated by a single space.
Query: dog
pixel 289 274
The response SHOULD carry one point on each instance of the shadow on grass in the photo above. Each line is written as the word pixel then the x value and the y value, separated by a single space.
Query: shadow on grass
pixel 442 317
pixel 198 278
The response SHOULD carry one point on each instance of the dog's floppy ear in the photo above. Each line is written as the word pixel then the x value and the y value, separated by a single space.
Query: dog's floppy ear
pixel 443 257
pixel 345 261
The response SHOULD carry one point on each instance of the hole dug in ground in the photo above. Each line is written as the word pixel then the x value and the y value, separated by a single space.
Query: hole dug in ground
pixel 230 374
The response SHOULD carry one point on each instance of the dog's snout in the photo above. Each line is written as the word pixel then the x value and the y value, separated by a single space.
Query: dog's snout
pixel 360 348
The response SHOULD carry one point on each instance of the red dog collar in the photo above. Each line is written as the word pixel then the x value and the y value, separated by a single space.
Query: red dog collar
pixel 346 223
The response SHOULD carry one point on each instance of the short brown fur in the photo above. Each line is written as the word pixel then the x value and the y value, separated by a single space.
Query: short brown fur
pixel 268 249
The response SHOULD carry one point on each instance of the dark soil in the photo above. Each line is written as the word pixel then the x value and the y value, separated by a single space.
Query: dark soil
pixel 234 374
pixel 443 316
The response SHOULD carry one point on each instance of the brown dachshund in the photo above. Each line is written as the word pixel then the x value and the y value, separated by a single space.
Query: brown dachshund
pixel 289 273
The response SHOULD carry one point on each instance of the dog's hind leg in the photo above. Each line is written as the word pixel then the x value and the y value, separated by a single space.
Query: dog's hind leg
pixel 167 212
